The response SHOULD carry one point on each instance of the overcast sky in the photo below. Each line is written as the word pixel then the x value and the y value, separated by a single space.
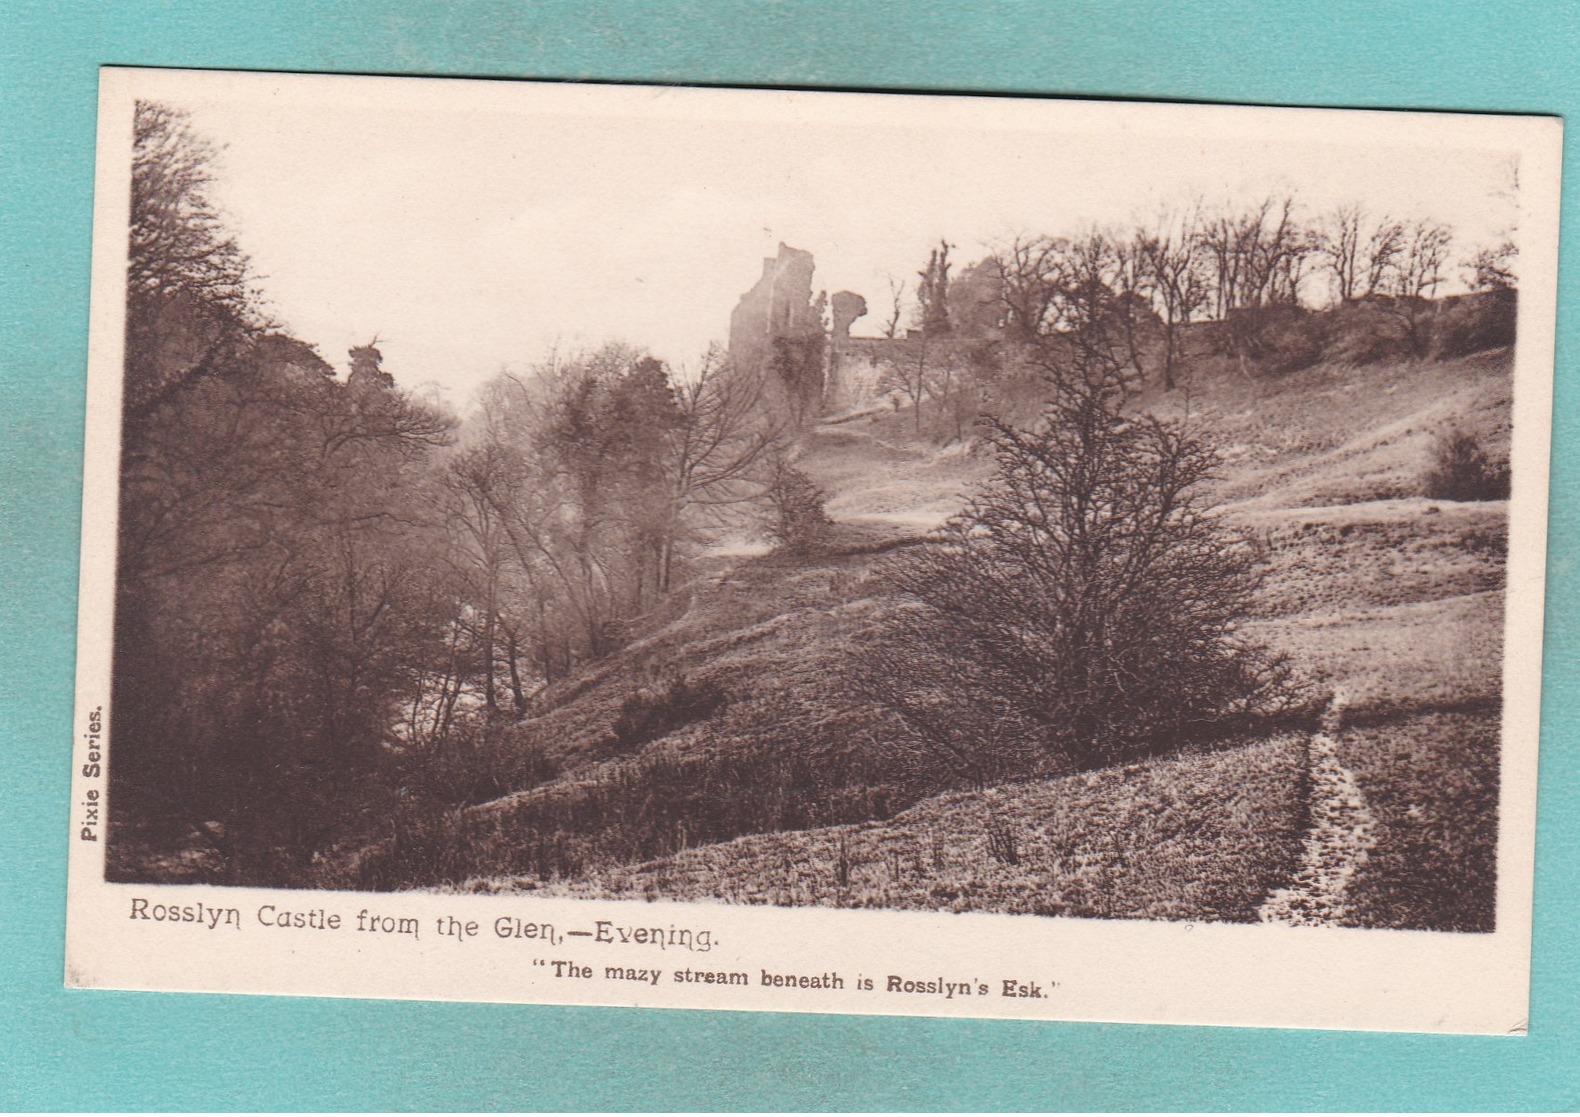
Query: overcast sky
pixel 473 226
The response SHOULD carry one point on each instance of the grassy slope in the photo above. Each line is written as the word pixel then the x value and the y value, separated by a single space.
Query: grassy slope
pixel 1337 434
pixel 1199 837
pixel 1390 599
pixel 1432 784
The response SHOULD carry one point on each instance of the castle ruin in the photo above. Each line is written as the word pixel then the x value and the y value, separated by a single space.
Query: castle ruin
pixel 778 331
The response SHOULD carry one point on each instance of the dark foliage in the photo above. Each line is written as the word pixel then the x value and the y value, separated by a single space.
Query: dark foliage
pixel 278 588
pixel 1461 470
pixel 474 764
pixel 651 712
pixel 1278 338
pixel 932 293
pixel 796 519
pixel 1475 323
pixel 629 811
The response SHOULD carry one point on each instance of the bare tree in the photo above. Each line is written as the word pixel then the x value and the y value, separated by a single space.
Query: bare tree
pixel 1422 259
pixel 891 325
pixel 1359 252
pixel 1258 254
pixel 910 377
pixel 723 450
pixel 478 481
pixel 1129 305
pixel 1035 273
pixel 1383 247
pixel 1495 268
pixel 1416 276
pixel 1172 256
pixel 1086 607
pixel 1339 245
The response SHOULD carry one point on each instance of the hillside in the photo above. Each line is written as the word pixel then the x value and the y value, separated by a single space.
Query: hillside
pixel 718 756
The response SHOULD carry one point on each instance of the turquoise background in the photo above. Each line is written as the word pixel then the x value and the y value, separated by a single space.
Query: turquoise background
pixel 80 1050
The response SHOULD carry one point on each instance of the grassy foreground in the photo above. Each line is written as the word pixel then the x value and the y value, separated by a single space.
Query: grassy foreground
pixel 1198 837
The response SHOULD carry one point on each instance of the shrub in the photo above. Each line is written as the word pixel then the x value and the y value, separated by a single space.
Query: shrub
pixel 1278 338
pixel 796 519
pixel 474 764
pixel 1475 323
pixel 1461 470
pixel 653 711
pixel 1366 332
pixel 649 806
pixel 1085 608
pixel 426 847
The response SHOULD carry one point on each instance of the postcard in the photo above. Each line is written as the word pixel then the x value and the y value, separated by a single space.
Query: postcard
pixel 812 552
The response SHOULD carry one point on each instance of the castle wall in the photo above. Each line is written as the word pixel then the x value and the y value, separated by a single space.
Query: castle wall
pixel 856 366
pixel 779 305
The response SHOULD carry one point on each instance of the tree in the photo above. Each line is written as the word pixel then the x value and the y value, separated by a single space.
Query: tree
pixel 190 303
pixel 976 299
pixel 1338 240
pixel 932 293
pixel 1495 268
pixel 1124 289
pixel 1382 255
pixel 910 376
pixel 479 480
pixel 616 470
pixel 1360 253
pixel 1422 258
pixel 964 376
pixel 1416 275
pixel 1033 271
pixel 796 521
pixel 1087 606
pixel 891 325
pixel 596 428
pixel 722 453
pixel 1095 287
pixel 1257 261
pixel 1171 259
pixel 1258 254
pixel 280 587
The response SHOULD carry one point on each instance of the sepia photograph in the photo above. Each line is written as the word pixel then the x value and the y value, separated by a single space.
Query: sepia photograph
pixel 675 505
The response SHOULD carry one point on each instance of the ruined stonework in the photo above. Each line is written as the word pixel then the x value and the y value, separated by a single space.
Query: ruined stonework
pixel 365 368
pixel 856 371
pixel 864 371
pixel 776 329
pixel 846 307
pixel 777 332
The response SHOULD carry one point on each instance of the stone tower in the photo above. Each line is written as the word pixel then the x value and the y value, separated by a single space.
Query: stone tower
pixel 776 328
